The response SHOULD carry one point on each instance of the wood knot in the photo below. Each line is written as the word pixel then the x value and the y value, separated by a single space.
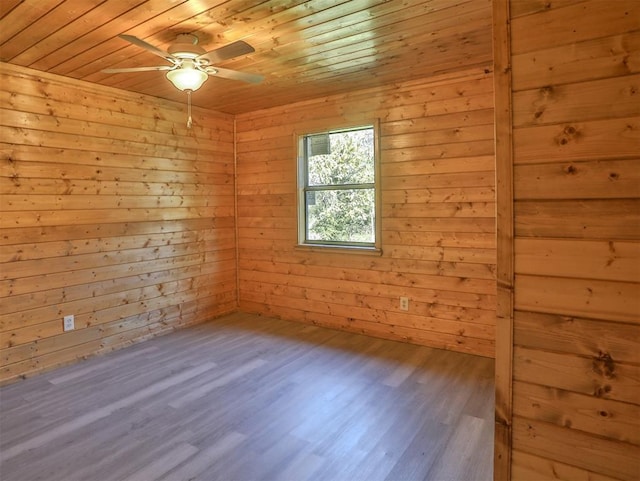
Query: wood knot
pixel 571 169
pixel 568 134
pixel 614 176
pixel 604 366
pixel 602 391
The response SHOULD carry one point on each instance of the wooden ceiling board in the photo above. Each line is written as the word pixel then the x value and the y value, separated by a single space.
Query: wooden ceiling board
pixel 304 49
pixel 20 17
pixel 347 32
pixel 73 31
pixel 40 29
pixel 388 44
pixel 7 5
pixel 102 39
pixel 156 32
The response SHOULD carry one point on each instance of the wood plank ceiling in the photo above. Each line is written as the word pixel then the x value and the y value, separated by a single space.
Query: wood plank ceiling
pixel 304 49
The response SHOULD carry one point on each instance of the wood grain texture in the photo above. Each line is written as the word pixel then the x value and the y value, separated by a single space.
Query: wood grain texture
pixel 597 454
pixel 503 123
pixel 548 28
pixel 438 216
pixel 597 58
pixel 247 397
pixel 112 211
pixel 528 466
pixel 577 289
pixel 304 50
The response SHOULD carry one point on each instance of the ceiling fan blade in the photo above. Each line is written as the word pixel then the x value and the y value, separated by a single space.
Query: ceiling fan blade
pixel 138 69
pixel 235 75
pixel 148 47
pixel 232 50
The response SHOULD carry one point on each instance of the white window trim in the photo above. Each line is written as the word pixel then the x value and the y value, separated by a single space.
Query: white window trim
pixel 375 249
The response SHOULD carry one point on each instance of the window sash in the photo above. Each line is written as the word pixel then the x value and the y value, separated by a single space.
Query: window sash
pixel 304 188
pixel 370 185
pixel 357 233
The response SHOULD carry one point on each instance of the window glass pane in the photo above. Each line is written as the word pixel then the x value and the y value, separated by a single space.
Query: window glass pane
pixel 341 215
pixel 350 158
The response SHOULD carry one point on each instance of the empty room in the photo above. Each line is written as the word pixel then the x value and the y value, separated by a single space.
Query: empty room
pixel 346 240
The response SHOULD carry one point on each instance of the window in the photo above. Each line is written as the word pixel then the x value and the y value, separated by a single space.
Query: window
pixel 338 188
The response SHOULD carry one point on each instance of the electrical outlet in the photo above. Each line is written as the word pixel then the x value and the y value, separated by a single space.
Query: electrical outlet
pixel 404 303
pixel 69 323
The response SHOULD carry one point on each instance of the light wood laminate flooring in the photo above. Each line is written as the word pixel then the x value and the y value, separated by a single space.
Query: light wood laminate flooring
pixel 251 398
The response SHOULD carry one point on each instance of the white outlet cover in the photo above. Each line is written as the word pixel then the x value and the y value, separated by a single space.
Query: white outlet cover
pixel 404 303
pixel 69 323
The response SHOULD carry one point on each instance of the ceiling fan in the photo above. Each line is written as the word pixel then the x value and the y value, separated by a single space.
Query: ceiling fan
pixel 191 65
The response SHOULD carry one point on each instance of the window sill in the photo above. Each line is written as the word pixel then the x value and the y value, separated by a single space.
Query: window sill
pixel 366 251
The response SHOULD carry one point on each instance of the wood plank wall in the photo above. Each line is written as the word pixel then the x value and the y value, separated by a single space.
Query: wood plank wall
pixel 112 211
pixel 438 216
pixel 576 146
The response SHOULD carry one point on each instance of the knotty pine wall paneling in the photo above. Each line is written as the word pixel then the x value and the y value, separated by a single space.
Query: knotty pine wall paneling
pixel 438 216
pixel 576 187
pixel 112 211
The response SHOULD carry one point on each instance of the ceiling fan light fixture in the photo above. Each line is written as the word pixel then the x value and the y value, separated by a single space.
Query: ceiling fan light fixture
pixel 187 78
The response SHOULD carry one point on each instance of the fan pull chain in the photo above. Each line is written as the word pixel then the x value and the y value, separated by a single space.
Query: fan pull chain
pixel 189 120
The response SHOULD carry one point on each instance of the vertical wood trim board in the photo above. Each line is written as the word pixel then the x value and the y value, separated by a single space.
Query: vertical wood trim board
pixel 112 211
pixel 576 145
pixel 235 207
pixel 504 239
pixel 438 216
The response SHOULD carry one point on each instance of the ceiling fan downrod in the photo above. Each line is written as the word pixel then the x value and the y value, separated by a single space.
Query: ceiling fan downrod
pixel 189 119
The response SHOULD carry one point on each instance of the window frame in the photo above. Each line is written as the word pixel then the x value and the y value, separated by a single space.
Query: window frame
pixel 303 188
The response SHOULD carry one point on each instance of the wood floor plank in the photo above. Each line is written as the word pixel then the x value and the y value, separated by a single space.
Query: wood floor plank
pixel 248 398
pixel 49 436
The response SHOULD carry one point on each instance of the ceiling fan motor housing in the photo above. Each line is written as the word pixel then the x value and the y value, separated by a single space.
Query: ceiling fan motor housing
pixel 186 47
